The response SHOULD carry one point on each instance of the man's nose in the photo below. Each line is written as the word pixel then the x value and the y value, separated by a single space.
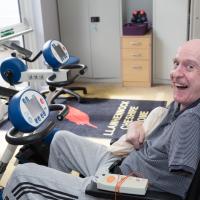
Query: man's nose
pixel 178 71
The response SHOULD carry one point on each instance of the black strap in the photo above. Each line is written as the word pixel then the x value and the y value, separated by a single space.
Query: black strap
pixel 115 167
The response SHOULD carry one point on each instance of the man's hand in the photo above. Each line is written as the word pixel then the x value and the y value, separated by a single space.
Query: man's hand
pixel 135 134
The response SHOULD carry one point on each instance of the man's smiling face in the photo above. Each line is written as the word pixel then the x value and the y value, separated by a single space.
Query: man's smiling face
pixel 185 75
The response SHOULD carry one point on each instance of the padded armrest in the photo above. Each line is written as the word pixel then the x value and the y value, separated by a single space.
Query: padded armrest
pixel 150 195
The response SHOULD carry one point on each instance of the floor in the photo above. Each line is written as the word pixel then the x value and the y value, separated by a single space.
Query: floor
pixel 157 92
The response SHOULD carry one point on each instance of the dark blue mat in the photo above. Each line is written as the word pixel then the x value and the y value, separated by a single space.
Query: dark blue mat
pixel 102 118
pixel 105 118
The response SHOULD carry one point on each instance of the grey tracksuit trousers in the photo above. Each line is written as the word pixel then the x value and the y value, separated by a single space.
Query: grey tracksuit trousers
pixel 68 152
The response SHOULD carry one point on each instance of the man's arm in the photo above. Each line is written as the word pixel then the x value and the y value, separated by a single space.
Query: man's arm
pixel 138 130
pixel 135 134
pixel 184 145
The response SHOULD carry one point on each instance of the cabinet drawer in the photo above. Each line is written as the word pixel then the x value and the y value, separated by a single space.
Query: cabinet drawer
pixel 135 54
pixel 136 42
pixel 135 70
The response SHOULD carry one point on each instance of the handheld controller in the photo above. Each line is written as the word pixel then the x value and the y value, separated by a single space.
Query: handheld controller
pixel 122 184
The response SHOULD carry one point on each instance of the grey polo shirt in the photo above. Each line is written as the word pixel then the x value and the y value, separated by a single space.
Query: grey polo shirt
pixel 173 147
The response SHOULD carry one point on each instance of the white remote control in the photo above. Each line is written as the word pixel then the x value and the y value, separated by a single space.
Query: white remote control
pixel 122 184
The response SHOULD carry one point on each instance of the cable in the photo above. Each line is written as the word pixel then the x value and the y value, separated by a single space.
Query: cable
pixel 122 180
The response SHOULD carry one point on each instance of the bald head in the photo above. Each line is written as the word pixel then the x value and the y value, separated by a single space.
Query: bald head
pixel 190 49
pixel 192 42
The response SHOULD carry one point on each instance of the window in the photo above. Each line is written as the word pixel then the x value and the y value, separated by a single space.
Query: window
pixel 10 17
pixel 9 14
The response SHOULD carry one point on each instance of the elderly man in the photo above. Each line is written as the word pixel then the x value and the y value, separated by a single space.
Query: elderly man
pixel 168 157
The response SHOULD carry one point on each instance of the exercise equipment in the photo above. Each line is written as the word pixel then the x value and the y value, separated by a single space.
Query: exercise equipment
pixel 55 55
pixel 5 94
pixel 64 68
pixel 29 126
pixel 3 109
pixel 1 192
pixel 139 16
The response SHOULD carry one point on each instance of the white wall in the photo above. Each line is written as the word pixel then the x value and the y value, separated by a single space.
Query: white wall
pixel 50 19
pixel 42 16
pixel 170 30
pixel 9 15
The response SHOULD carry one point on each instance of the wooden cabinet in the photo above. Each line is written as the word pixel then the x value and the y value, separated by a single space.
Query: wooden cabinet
pixel 136 58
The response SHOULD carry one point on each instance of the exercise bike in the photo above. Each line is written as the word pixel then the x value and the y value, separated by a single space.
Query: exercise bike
pixel 59 74
pixel 13 70
pixel 4 93
pixel 62 69
pixel 31 124
pixel 3 109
